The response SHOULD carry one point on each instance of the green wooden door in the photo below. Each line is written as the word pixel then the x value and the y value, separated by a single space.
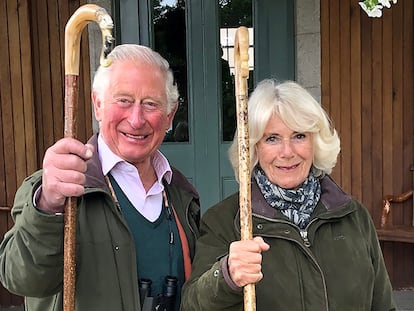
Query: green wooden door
pixel 207 27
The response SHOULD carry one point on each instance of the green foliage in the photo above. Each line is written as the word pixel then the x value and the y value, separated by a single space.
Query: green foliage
pixel 235 13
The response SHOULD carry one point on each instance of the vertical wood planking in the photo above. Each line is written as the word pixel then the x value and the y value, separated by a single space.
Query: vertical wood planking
pixel 387 102
pixel 46 116
pixel 408 127
pixel 16 105
pixel 397 107
pixel 334 74
pixel 367 114
pixel 28 99
pixel 325 55
pixel 370 101
pixel 40 130
pixel 375 156
pixel 346 125
pixel 4 104
pixel 355 98
pixel 7 108
pixel 32 94
pixel 17 150
pixel 56 69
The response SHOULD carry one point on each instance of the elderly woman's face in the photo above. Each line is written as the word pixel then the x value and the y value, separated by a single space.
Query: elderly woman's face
pixel 284 155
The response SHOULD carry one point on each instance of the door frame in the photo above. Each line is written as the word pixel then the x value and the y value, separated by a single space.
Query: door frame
pixel 203 160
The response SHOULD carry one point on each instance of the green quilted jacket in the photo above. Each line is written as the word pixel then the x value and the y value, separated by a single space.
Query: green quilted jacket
pixel 31 253
pixel 334 264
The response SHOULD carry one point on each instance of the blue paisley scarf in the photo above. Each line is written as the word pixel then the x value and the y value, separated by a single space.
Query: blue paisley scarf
pixel 296 204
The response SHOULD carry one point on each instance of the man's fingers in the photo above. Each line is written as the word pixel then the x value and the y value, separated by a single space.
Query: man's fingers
pixel 72 146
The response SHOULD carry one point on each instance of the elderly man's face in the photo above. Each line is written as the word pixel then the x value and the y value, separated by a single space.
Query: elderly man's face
pixel 284 155
pixel 133 112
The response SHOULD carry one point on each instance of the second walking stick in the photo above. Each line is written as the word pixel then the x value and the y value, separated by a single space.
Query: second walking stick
pixel 241 63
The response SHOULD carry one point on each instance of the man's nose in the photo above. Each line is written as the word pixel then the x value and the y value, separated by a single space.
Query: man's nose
pixel 136 117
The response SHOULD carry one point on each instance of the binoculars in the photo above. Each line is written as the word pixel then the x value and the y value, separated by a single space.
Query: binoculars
pixel 162 302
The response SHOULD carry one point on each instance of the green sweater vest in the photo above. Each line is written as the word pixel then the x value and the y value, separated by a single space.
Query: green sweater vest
pixel 157 245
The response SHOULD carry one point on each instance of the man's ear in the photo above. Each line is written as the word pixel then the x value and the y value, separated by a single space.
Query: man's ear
pixel 97 106
pixel 171 115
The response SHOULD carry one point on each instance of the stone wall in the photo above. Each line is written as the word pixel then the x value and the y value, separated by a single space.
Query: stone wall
pixel 308 43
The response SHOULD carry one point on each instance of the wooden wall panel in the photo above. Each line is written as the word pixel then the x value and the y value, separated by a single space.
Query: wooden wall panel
pixel 4 94
pixel 343 110
pixel 367 87
pixel 18 143
pixel 48 36
pixel 355 103
pixel 30 151
pixel 18 150
pixel 334 74
pixel 32 94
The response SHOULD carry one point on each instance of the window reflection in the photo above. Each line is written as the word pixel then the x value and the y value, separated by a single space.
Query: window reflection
pixel 170 42
pixel 233 13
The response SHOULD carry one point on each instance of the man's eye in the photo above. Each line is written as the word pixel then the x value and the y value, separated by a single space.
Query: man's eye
pixel 124 102
pixel 150 105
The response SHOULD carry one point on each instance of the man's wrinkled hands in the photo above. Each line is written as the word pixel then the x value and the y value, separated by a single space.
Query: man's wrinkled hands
pixel 64 167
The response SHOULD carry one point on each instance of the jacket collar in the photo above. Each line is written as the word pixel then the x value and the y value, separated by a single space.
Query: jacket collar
pixel 94 175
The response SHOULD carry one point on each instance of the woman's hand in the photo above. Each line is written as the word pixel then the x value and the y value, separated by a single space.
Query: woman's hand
pixel 245 261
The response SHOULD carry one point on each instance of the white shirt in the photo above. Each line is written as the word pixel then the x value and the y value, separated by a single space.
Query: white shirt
pixel 149 204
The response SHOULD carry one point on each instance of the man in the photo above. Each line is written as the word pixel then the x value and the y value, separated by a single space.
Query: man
pixel 137 217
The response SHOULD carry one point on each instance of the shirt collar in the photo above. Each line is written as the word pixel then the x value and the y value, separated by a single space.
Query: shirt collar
pixel 109 160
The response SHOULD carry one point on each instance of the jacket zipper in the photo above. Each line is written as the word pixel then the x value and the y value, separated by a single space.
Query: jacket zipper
pixel 304 235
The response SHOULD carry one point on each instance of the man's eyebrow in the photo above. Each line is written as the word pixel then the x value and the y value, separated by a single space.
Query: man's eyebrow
pixel 122 93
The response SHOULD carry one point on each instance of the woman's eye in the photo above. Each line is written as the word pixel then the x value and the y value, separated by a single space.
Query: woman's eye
pixel 273 139
pixel 300 136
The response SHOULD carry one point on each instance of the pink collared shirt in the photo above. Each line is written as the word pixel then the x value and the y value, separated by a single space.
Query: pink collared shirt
pixel 149 204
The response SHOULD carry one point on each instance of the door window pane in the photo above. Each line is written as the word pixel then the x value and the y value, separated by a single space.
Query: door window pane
pixel 233 14
pixel 170 42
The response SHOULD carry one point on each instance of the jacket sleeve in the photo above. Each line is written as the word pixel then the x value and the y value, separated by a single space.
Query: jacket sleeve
pixel 31 253
pixel 207 288
pixel 382 296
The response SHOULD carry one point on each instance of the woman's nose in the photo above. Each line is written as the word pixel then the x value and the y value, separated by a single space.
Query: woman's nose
pixel 286 148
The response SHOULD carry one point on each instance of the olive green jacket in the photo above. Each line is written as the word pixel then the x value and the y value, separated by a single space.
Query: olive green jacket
pixel 31 253
pixel 334 264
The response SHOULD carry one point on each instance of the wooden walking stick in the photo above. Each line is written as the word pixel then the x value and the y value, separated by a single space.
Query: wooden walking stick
pixel 73 31
pixel 241 61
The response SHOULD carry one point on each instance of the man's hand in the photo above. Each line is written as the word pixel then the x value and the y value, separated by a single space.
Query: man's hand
pixel 64 167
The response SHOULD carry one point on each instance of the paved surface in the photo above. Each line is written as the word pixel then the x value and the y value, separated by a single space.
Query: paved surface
pixel 404 300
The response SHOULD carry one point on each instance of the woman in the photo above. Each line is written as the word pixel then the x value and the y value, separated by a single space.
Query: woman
pixel 314 246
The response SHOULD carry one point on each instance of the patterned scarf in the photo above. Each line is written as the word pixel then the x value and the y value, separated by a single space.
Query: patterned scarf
pixel 296 204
